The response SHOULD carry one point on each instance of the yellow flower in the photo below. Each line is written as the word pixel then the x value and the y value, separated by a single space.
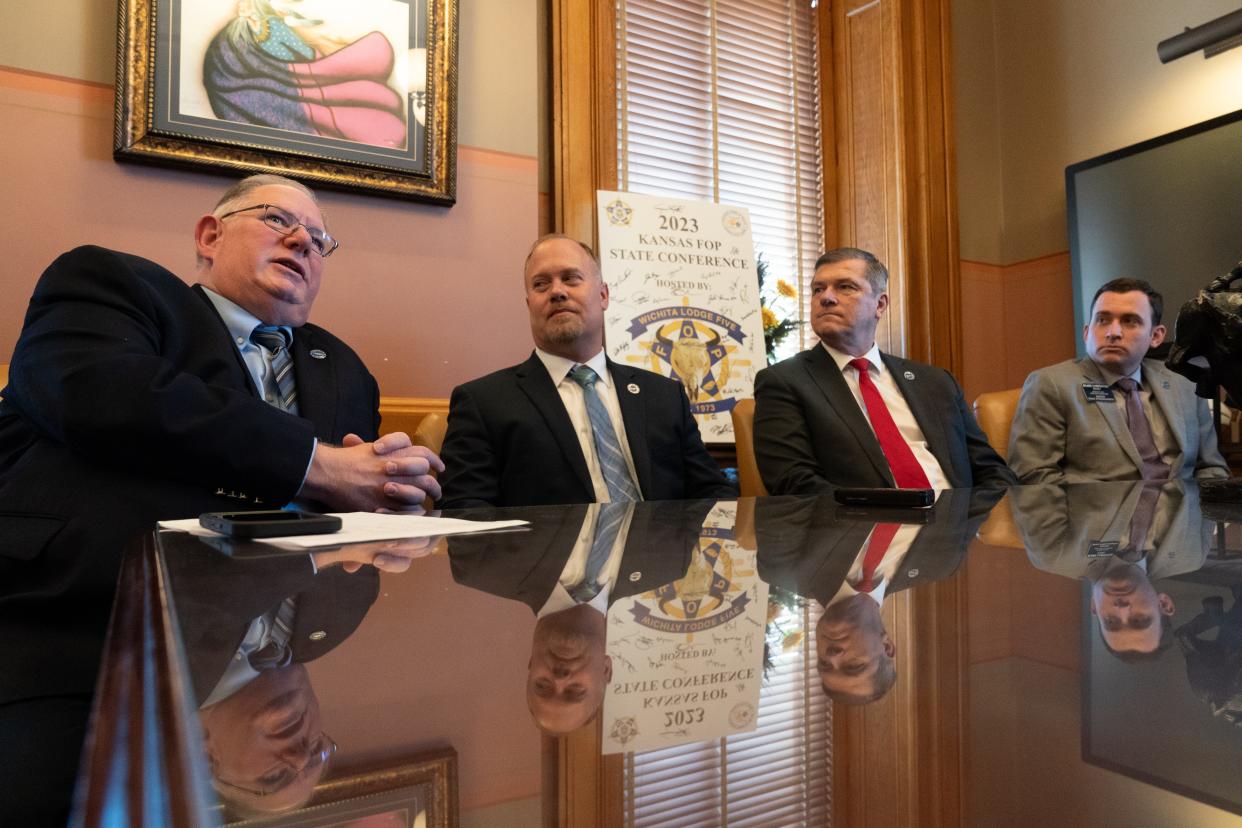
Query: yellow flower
pixel 769 319
pixel 786 289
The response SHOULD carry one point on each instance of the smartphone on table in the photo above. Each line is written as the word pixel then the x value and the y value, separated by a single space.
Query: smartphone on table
pixel 275 523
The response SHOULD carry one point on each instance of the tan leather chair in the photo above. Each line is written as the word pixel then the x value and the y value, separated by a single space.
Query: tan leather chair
pixel 430 431
pixel 749 482
pixel 994 410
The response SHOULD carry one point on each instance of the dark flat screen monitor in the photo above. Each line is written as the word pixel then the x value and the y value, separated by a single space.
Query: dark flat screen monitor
pixel 1168 210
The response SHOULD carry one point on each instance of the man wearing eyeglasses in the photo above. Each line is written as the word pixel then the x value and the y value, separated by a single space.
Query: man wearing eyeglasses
pixel 134 397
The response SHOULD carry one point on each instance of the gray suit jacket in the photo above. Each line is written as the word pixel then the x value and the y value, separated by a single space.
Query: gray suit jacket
pixel 1059 437
pixel 1059 525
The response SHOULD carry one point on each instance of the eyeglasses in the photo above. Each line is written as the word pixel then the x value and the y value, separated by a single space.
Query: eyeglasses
pixel 274 782
pixel 285 223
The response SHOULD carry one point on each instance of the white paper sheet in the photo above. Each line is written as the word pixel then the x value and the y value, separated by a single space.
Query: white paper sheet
pixel 362 527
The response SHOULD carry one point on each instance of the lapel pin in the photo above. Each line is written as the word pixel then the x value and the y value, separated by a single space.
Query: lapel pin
pixel 317 354
pixel 318 635
pixel 635 577
pixel 633 388
pixel 913 573
pixel 908 375
pixel 1165 385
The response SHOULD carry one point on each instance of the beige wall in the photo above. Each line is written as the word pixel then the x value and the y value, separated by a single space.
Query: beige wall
pixel 1043 85
pixel 428 296
pixel 1039 86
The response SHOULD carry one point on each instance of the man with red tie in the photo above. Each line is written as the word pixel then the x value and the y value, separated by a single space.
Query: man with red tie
pixel 844 414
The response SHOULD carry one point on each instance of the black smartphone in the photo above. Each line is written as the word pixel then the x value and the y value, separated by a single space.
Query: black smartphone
pixel 907 498
pixel 275 523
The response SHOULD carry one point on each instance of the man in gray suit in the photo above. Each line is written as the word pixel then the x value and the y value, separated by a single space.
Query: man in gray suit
pixel 1122 537
pixel 1114 415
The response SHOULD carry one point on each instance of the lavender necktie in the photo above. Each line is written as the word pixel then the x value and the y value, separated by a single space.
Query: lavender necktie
pixel 1140 429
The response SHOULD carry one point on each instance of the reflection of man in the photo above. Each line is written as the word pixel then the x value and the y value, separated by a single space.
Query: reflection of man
pixel 849 563
pixel 845 414
pixel 569 568
pixel 265 743
pixel 1119 536
pixel 133 396
pixel 1114 415
pixel 248 626
pixel 569 425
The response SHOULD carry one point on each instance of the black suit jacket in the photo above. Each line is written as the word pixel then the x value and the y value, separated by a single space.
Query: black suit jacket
pixel 510 441
pixel 811 436
pixel 128 402
pixel 219 596
pixel 808 545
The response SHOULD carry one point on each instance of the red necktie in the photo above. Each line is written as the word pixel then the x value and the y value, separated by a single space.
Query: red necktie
pixel 881 536
pixel 907 472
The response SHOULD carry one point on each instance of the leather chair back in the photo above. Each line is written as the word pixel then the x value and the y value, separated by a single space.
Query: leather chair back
pixel 994 410
pixel 749 482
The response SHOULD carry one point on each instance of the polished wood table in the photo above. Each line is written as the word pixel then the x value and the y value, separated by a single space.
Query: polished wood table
pixel 1042 656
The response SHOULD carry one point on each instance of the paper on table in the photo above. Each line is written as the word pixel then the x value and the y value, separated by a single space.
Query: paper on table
pixel 362 527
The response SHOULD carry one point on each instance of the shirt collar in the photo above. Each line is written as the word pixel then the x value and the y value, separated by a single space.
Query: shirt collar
pixel 239 321
pixel 843 359
pixel 559 367
pixel 1110 377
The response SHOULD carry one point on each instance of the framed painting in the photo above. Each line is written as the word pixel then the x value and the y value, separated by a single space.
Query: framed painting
pixel 358 95
pixel 418 793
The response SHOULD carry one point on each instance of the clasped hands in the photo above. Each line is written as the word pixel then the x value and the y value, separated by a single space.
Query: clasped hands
pixel 390 475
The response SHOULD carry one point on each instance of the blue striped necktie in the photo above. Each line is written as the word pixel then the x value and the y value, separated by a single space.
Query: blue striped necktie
pixel 281 391
pixel 607 525
pixel 607 448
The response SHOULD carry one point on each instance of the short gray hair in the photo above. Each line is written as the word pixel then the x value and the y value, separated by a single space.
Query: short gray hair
pixel 235 195
pixel 875 272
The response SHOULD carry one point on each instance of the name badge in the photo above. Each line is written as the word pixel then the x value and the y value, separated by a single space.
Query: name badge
pixel 1102 549
pixel 1094 392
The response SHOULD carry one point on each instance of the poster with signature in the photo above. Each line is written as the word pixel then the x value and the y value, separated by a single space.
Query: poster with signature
pixel 684 298
pixel 688 656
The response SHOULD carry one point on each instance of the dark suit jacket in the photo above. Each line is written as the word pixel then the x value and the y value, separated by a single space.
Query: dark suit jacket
pixel 218 597
pixel 525 566
pixel 510 441
pixel 811 436
pixel 808 545
pixel 128 402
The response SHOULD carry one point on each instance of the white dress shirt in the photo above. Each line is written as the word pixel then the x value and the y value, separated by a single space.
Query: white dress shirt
pixel 574 398
pixel 575 567
pixel 898 409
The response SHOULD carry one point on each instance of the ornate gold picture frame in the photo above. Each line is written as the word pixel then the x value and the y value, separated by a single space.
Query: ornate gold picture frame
pixel 356 96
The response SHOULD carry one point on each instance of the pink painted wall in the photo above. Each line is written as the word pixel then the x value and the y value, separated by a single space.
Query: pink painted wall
pixel 428 296
pixel 436 664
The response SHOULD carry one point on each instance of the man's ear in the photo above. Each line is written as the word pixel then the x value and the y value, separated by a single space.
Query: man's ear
pixel 1158 334
pixel 207 234
pixel 1166 604
pixel 607 669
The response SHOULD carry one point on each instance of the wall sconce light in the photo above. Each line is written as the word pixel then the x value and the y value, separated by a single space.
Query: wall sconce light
pixel 1213 37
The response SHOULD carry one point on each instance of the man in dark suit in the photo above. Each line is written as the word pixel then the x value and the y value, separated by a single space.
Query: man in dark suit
pixel 845 414
pixel 134 397
pixel 569 568
pixel 849 563
pixel 570 425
